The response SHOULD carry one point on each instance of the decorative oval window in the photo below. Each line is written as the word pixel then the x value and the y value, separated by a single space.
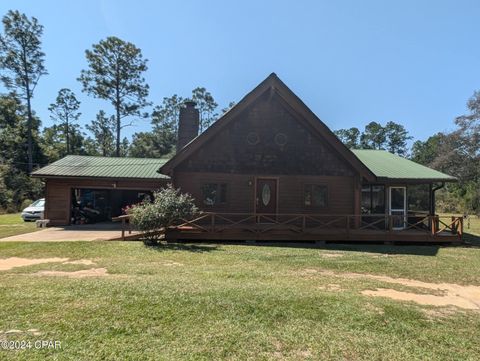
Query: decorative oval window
pixel 253 138
pixel 266 194
pixel 281 139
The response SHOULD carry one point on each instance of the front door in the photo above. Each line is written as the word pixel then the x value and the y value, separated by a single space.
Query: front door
pixel 398 205
pixel 266 197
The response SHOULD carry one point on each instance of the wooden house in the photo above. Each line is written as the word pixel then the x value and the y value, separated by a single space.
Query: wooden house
pixel 270 169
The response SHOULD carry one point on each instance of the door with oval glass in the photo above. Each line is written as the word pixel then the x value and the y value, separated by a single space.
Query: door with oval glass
pixel 266 197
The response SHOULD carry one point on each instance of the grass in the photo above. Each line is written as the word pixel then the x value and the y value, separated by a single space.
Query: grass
pixel 203 302
pixel 235 302
pixel 13 224
pixel 472 230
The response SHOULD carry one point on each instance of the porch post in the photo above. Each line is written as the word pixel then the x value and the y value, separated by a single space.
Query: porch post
pixel 432 199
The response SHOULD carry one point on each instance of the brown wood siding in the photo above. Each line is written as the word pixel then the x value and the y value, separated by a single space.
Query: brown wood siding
pixel 239 193
pixel 241 190
pixel 57 203
pixel 58 193
pixel 267 138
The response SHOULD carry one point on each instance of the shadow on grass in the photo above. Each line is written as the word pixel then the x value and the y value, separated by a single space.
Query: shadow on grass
pixel 407 249
pixel 418 250
pixel 182 247
pixel 471 240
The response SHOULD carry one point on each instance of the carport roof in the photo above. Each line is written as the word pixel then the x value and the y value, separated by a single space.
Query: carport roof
pixel 103 167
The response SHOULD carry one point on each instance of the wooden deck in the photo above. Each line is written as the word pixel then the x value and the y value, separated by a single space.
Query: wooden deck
pixel 318 227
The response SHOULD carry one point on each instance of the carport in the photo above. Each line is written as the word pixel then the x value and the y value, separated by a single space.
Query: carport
pixel 88 189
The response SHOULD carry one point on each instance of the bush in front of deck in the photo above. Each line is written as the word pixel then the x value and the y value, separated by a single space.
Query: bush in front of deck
pixel 168 207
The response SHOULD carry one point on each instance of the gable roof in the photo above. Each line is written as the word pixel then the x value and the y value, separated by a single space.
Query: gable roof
pixel 274 84
pixel 386 165
pixel 103 167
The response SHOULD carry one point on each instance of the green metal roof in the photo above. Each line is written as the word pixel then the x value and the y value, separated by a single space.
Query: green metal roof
pixel 387 165
pixel 382 163
pixel 103 167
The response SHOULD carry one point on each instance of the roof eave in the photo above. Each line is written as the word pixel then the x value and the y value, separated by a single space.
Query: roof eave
pixel 416 180
pixel 47 176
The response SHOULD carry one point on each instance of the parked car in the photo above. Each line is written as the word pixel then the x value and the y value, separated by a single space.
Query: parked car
pixel 34 211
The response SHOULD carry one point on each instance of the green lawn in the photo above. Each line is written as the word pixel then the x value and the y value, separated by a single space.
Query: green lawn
pixel 236 302
pixel 471 229
pixel 13 224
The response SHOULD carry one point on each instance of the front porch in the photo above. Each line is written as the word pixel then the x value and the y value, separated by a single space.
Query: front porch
pixel 319 227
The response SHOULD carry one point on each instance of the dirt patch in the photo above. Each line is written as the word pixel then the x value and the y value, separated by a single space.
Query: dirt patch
pixel 308 271
pixel 439 313
pixel 32 331
pixel 172 263
pixel 331 287
pixel 281 354
pixel 466 297
pixel 375 309
pixel 85 262
pixel 12 262
pixel 331 255
pixel 92 272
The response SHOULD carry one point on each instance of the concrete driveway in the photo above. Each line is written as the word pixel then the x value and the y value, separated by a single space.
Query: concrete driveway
pixel 90 232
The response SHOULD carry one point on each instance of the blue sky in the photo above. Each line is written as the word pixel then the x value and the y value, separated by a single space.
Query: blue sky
pixel 413 62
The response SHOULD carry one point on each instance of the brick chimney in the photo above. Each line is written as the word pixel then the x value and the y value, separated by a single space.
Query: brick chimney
pixel 187 124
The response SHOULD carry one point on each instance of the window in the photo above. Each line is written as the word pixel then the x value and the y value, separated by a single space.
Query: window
pixel 214 193
pixel 315 196
pixel 418 198
pixel 373 199
pixel 38 203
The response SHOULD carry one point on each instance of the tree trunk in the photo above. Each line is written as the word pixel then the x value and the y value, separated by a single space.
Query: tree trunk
pixel 29 132
pixel 67 135
pixel 117 108
pixel 117 148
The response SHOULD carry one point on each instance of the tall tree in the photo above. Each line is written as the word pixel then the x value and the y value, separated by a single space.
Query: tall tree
pixel 228 107
pixel 115 74
pixel 350 137
pixel 456 153
pixel 469 130
pixel 125 147
pixel 54 145
pixel 165 115
pixel 13 134
pixel 373 137
pixel 15 184
pixel 425 152
pixel 162 139
pixel 206 106
pixel 103 130
pixel 65 111
pixel 392 137
pixel 396 138
pixel 22 63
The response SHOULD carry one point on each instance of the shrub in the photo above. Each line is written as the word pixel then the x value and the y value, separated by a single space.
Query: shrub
pixel 167 207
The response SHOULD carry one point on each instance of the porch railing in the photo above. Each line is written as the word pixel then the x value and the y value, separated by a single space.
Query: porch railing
pixel 210 222
pixel 313 224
